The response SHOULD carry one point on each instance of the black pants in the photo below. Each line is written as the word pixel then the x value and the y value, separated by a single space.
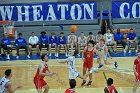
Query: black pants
pixel 22 47
pixel 5 47
pixel 121 43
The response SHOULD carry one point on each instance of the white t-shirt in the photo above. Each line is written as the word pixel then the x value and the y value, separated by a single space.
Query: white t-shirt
pixel 3 83
pixel 33 40
pixel 82 40
pixel 109 37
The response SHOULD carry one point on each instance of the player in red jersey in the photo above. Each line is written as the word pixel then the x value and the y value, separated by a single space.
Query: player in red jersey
pixel 137 72
pixel 88 60
pixel 110 88
pixel 72 83
pixel 41 73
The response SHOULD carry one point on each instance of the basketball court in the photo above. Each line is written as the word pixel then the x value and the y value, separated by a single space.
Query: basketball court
pixel 24 71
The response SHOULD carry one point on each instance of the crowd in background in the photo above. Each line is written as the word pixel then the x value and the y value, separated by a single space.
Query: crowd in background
pixel 69 42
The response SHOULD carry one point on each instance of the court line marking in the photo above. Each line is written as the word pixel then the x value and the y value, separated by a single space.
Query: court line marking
pixel 120 90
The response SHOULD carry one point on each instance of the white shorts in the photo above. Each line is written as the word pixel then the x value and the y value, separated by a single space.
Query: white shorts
pixel 92 70
pixel 73 73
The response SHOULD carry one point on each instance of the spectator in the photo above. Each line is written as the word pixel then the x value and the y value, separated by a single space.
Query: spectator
pixel 62 41
pixel 52 42
pixel 99 37
pixel 21 43
pixel 110 88
pixel 109 39
pixel 118 37
pixel 82 41
pixel 44 41
pixel 33 43
pixel 72 41
pixel 72 84
pixel 132 40
pixel 6 45
pixel 90 37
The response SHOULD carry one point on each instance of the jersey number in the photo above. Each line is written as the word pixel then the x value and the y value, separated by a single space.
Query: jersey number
pixel 1 82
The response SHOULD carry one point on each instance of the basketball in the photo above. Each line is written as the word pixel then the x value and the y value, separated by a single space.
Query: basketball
pixel 73 28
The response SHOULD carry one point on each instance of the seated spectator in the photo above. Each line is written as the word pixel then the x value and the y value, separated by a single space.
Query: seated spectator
pixel 62 41
pixel 109 39
pixel 72 84
pixel 6 45
pixel 132 40
pixel 118 37
pixel 44 41
pixel 82 41
pixel 72 41
pixel 33 43
pixel 52 42
pixel 90 37
pixel 99 36
pixel 110 88
pixel 21 43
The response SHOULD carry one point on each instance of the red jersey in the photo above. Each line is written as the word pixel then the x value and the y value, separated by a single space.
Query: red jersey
pixel 112 89
pixel 44 71
pixel 89 55
pixel 70 91
pixel 137 64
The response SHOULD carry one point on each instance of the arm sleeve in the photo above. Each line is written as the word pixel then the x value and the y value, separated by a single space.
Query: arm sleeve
pixel 50 40
pixel 37 40
pixel 65 40
pixel 25 42
pixel 58 40
pixel 40 40
pixel 47 39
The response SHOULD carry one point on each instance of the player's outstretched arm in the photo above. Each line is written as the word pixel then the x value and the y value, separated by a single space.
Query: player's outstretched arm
pixel 62 61
pixel 9 88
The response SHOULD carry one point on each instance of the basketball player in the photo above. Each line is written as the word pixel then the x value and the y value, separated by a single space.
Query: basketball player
pixel 109 39
pixel 72 83
pixel 137 72
pixel 41 73
pixel 82 41
pixel 73 73
pixel 88 61
pixel 90 37
pixel 72 41
pixel 5 83
pixel 110 88
pixel 102 52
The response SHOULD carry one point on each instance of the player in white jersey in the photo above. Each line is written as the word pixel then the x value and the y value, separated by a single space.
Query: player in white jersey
pixel 82 41
pixel 102 52
pixel 73 73
pixel 5 83
pixel 109 39
pixel 90 37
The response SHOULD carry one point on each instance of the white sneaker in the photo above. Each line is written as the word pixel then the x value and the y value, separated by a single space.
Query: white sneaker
pixel 66 54
pixel 8 57
pixel 136 51
pixel 56 54
pixel 124 51
pixel 129 51
pixel 17 57
pixel 50 54
pixel 28 56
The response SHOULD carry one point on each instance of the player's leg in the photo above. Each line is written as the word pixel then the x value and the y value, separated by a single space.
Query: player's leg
pixel 46 87
pixel 50 49
pixel 30 49
pixel 56 53
pixel 65 46
pixel 136 46
pixel 90 65
pixel 39 90
pixel 37 48
pixel 58 48
pixel 84 72
pixel 79 48
pixel 135 87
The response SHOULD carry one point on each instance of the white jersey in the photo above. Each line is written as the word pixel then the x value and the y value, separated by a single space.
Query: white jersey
pixel 91 38
pixel 109 37
pixel 73 73
pixel 82 40
pixel 3 83
pixel 101 52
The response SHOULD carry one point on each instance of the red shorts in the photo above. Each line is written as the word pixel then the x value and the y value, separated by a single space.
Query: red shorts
pixel 88 65
pixel 39 83
pixel 137 77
